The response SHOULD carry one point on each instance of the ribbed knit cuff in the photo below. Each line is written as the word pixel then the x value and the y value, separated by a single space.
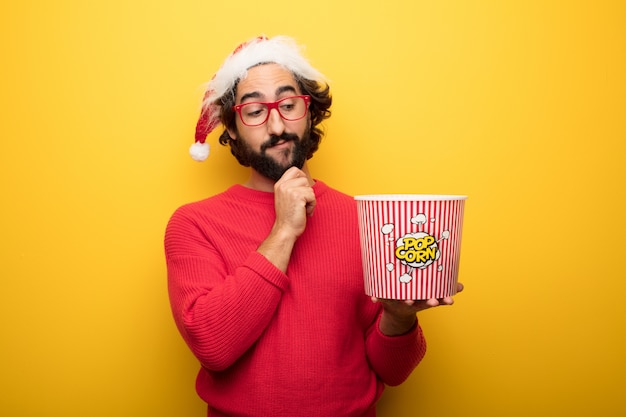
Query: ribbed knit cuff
pixel 264 268
pixel 394 339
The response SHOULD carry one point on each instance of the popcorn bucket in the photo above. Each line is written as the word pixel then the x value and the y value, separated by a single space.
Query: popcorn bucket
pixel 410 244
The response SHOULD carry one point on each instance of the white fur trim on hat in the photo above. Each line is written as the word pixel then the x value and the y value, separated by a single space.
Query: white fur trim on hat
pixel 279 50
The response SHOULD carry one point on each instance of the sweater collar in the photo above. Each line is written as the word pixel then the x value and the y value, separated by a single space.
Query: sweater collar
pixel 263 197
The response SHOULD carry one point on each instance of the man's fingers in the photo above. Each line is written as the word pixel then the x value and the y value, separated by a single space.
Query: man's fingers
pixel 310 206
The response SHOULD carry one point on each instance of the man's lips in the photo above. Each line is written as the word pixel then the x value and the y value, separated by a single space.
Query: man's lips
pixel 278 142
pixel 282 143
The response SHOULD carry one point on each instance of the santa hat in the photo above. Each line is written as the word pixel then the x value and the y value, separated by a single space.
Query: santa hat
pixel 279 49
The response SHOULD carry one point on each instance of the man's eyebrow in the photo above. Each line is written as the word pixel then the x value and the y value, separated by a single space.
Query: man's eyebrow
pixel 285 88
pixel 257 95
pixel 254 94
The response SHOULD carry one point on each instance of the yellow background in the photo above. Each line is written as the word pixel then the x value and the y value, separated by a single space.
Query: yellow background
pixel 521 105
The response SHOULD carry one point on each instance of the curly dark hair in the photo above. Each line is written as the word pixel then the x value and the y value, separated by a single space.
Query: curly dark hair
pixel 319 110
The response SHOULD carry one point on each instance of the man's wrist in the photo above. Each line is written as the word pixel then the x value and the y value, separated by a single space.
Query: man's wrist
pixel 394 326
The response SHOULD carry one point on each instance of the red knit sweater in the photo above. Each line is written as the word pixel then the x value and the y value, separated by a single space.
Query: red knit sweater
pixel 304 343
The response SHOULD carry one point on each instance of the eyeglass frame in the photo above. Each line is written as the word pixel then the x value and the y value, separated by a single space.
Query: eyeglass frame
pixel 273 105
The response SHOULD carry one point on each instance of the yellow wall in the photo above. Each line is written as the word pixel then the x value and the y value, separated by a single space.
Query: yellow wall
pixel 521 105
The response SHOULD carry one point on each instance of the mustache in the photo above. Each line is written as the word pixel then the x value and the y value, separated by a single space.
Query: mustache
pixel 273 140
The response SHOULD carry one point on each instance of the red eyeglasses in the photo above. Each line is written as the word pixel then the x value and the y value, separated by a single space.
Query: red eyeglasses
pixel 289 108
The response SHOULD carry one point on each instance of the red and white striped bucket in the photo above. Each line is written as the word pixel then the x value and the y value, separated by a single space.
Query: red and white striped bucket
pixel 410 244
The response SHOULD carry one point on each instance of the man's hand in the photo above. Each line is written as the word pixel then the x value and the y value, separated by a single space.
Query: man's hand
pixel 294 200
pixel 400 316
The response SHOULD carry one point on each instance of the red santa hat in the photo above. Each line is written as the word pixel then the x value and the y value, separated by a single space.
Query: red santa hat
pixel 279 49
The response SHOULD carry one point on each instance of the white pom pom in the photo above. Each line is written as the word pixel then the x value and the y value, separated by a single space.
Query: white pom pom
pixel 199 151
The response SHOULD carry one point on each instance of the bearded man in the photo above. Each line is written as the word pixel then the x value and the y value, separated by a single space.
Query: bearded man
pixel 265 279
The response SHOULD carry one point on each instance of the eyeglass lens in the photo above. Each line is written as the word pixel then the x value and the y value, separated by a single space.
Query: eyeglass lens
pixel 289 108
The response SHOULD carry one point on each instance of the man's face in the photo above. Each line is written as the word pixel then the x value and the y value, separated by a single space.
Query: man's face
pixel 278 144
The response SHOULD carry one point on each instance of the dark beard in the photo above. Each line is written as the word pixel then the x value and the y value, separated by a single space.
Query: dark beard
pixel 269 167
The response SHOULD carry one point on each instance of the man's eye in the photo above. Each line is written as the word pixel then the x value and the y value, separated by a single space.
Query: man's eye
pixel 255 111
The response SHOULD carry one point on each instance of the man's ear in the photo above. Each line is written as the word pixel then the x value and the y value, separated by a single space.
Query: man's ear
pixel 232 133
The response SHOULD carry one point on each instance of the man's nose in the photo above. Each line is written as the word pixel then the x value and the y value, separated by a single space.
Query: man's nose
pixel 275 123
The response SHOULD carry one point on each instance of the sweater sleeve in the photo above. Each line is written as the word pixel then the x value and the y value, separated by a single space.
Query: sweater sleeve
pixel 219 314
pixel 393 358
